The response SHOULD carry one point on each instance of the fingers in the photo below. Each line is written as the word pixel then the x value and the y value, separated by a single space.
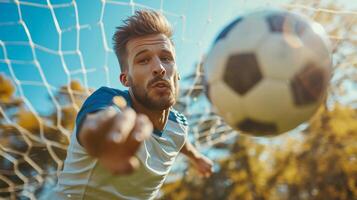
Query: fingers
pixel 204 166
pixel 209 168
pixel 119 156
pixel 141 131
pixel 124 123
pixel 102 121
pixel 115 137
pixel 105 121
pixel 92 133
pixel 206 171
pixel 129 132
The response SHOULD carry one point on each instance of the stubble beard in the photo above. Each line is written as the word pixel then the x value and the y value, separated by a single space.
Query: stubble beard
pixel 162 103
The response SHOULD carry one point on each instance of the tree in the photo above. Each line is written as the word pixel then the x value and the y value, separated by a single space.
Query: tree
pixel 32 146
pixel 320 162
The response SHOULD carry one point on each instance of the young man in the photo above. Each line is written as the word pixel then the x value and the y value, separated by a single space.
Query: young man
pixel 126 153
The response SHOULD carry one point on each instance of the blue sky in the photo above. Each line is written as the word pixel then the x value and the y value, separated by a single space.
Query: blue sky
pixel 196 24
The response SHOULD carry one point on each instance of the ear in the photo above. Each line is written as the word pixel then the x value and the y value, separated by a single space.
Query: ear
pixel 124 79
pixel 178 76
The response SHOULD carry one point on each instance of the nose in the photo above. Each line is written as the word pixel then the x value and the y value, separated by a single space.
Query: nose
pixel 159 69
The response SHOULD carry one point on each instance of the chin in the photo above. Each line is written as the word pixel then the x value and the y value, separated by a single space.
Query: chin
pixel 169 101
pixel 163 102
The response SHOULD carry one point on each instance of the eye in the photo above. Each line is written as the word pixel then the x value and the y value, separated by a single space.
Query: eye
pixel 166 59
pixel 144 61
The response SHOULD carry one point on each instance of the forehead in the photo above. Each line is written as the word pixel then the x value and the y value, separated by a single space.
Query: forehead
pixel 150 42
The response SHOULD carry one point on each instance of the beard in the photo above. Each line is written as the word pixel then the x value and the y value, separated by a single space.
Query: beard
pixel 141 94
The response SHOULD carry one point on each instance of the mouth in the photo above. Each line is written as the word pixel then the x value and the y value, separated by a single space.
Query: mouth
pixel 161 84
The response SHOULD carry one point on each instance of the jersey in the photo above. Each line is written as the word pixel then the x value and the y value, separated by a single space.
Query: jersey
pixel 83 177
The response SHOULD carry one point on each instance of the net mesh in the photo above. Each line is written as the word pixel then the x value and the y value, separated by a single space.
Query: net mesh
pixel 45 79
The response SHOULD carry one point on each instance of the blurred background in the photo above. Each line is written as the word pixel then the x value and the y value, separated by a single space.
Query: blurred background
pixel 54 53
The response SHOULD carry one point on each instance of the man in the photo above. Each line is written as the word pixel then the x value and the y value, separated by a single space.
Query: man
pixel 120 152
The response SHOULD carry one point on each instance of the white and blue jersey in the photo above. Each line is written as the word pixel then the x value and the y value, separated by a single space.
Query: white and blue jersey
pixel 83 177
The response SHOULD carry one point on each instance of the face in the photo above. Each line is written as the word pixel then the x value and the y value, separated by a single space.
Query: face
pixel 151 74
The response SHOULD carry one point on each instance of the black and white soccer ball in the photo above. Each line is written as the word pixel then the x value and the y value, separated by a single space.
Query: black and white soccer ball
pixel 268 71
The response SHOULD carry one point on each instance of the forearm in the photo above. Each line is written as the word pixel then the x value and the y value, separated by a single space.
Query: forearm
pixel 189 150
pixel 203 164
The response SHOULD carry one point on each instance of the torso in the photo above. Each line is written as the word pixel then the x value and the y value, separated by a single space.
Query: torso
pixel 83 177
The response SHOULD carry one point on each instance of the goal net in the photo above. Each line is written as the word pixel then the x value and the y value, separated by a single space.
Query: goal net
pixel 54 53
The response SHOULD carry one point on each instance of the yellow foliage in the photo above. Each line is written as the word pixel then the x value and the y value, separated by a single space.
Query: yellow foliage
pixel 76 86
pixel 6 89
pixel 292 173
pixel 238 176
pixel 343 120
pixel 28 120
pixel 239 191
pixel 321 163
pixel 68 117
pixel 171 187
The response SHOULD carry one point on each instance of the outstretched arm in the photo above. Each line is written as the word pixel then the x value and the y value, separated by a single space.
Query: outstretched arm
pixel 201 163
pixel 114 138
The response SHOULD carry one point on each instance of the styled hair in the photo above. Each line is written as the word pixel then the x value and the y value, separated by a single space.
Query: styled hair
pixel 142 23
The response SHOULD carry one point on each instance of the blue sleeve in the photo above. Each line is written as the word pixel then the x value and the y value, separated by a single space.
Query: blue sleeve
pixel 99 100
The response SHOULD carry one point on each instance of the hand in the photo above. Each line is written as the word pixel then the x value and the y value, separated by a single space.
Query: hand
pixel 115 137
pixel 203 165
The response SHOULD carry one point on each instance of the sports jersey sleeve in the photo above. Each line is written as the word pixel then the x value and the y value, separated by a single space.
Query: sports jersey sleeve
pixel 101 99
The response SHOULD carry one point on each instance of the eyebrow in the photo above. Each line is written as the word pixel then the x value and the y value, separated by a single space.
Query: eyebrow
pixel 140 52
pixel 167 51
pixel 145 50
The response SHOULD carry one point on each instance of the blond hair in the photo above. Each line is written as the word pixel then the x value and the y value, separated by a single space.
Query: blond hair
pixel 142 23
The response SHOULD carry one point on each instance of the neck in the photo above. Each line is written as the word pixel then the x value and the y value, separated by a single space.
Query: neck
pixel 157 117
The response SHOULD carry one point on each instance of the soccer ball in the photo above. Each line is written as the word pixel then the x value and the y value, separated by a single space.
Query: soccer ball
pixel 268 71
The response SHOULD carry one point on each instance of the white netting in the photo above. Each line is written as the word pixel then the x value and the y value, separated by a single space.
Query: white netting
pixel 54 51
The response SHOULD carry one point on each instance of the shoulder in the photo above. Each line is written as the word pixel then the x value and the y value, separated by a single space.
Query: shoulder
pixel 107 91
pixel 100 99
pixel 104 95
pixel 177 117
